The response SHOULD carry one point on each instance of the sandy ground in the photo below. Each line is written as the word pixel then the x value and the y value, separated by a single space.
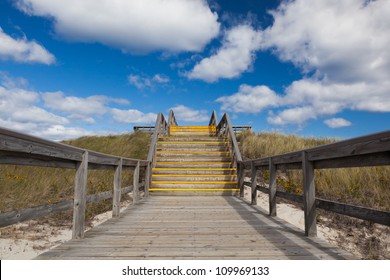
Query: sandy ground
pixel 30 239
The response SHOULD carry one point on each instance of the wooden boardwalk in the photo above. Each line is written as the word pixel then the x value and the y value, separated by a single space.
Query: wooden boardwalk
pixel 208 227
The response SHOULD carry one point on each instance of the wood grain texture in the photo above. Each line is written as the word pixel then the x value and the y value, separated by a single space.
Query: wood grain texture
pixel 214 227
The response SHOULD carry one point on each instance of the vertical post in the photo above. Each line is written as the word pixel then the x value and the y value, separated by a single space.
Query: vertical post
pixel 240 178
pixel 309 196
pixel 116 202
pixel 272 188
pixel 136 183
pixel 148 177
pixel 80 197
pixel 254 184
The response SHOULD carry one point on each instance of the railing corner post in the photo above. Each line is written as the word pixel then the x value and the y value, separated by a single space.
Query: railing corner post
pixel 148 177
pixel 136 183
pixel 272 188
pixel 116 201
pixel 240 173
pixel 254 184
pixel 309 199
pixel 80 197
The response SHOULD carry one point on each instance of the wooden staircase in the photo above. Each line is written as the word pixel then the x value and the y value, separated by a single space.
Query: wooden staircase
pixel 193 161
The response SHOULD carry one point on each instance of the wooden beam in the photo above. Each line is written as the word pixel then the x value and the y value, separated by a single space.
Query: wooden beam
pixel 116 201
pixel 136 184
pixel 253 186
pixel 309 199
pixel 80 197
pixel 148 179
pixel 240 178
pixel 272 188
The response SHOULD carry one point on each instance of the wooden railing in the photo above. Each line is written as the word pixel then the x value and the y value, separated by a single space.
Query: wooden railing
pixel 213 119
pixel 21 149
pixel 225 129
pixel 171 120
pixel 370 150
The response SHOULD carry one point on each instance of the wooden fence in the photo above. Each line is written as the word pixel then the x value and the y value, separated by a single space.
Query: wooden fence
pixel 370 150
pixel 21 149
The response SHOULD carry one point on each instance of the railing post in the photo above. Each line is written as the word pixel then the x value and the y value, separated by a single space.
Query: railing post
pixel 254 184
pixel 116 201
pixel 272 188
pixel 80 197
pixel 136 184
pixel 309 196
pixel 148 177
pixel 240 178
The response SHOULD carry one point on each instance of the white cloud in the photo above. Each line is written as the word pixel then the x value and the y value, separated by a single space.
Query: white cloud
pixel 249 100
pixel 337 122
pixel 143 81
pixel 183 113
pixel 24 51
pixel 92 105
pixel 133 116
pixel 341 48
pixel 133 26
pixel 234 57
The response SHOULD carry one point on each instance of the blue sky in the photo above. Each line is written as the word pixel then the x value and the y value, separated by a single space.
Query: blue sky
pixel 95 67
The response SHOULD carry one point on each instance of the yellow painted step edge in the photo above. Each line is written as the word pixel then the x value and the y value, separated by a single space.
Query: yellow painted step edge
pixel 193 190
pixel 194 182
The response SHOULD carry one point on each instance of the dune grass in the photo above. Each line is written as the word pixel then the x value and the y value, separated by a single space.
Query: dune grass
pixel 367 186
pixel 25 186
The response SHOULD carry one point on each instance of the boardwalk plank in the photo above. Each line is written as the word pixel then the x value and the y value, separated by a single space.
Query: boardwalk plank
pixel 164 227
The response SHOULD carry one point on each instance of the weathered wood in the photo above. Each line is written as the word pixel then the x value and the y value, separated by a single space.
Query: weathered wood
pixel 211 227
pixel 309 196
pixel 374 159
pixel 136 184
pixel 213 119
pixel 13 217
pixel 116 203
pixel 254 184
pixel 80 198
pixel 240 178
pixel 148 179
pixel 15 158
pixel 272 188
pixel 98 197
pixel 368 214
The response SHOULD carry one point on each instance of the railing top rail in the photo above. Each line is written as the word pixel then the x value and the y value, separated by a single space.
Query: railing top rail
pixel 363 145
pixel 226 121
pixel 213 119
pixel 172 119
pixel 12 141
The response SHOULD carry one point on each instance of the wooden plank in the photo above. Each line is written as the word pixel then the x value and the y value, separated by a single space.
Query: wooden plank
pixel 309 196
pixel 136 184
pixel 148 179
pixel 13 217
pixel 240 178
pixel 272 188
pixel 80 198
pixel 116 203
pixel 372 215
pixel 98 197
pixel 253 186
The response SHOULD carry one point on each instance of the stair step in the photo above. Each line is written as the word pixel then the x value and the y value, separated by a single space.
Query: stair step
pixel 195 138
pixel 195 171
pixel 207 159
pixel 192 153
pixel 195 192
pixel 193 164
pixel 192 178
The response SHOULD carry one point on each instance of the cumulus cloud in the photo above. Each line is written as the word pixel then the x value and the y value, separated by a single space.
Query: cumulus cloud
pixel 55 116
pixel 250 99
pixel 337 122
pixel 341 47
pixel 23 50
pixel 133 26
pixel 142 82
pixel 133 116
pixel 190 115
pixel 235 56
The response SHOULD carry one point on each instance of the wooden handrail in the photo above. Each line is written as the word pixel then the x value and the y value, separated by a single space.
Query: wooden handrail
pixel 368 150
pixel 22 149
pixel 171 121
pixel 213 119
